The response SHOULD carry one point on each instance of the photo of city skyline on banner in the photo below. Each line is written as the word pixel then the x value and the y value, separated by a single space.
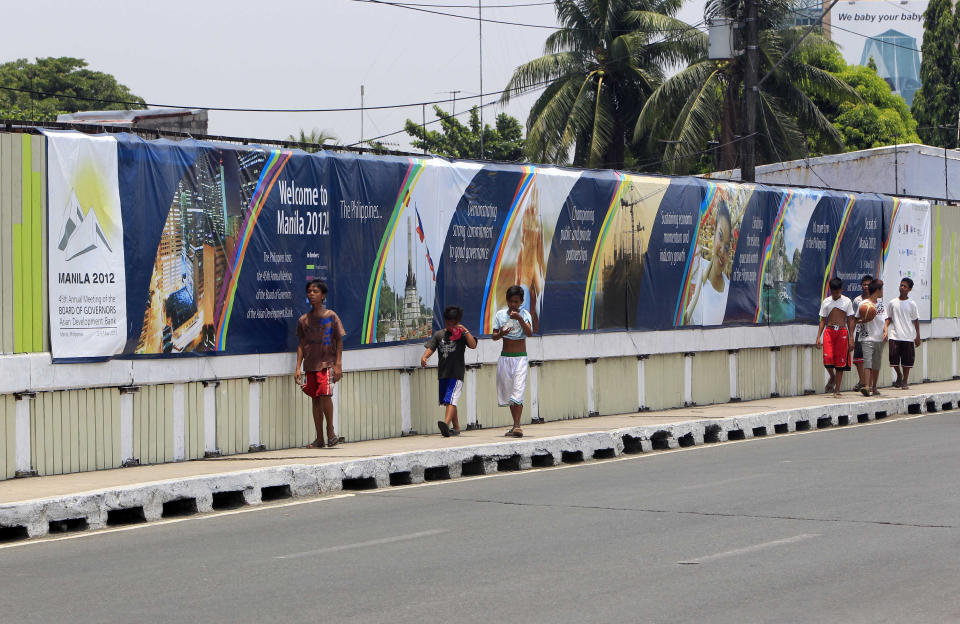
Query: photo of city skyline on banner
pixel 220 241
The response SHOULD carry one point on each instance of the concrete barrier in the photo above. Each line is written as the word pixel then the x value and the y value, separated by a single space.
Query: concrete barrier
pixel 164 499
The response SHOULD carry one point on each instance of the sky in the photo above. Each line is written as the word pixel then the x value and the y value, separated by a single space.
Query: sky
pixel 293 54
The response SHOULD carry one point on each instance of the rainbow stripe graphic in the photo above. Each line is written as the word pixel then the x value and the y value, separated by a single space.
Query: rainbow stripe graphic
pixel 832 265
pixel 371 308
pixel 488 310
pixel 768 248
pixel 687 291
pixel 586 318
pixel 271 171
pixel 893 219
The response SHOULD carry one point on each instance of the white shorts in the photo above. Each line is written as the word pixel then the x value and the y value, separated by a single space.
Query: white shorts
pixel 511 379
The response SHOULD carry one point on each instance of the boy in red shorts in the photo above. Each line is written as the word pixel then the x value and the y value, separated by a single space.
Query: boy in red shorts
pixel 835 334
pixel 320 353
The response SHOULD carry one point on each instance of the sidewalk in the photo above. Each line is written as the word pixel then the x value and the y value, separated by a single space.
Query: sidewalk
pixel 34 504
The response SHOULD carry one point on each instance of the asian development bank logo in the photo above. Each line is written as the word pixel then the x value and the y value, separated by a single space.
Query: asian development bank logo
pixel 81 233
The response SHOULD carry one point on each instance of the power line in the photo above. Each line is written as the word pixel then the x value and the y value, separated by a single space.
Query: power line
pixel 474 6
pixel 344 109
pixel 402 5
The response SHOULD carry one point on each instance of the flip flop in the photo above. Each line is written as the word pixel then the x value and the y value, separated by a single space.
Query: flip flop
pixel 444 428
pixel 314 445
pixel 335 441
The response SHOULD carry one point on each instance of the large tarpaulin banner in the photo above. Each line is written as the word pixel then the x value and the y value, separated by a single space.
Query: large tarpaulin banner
pixel 945 269
pixel 85 248
pixel 220 240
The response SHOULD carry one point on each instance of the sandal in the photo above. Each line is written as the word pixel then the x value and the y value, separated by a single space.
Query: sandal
pixel 444 428
pixel 335 441
pixel 314 445
pixel 515 432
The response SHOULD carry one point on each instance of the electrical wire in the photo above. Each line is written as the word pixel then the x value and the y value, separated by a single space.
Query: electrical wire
pixel 401 5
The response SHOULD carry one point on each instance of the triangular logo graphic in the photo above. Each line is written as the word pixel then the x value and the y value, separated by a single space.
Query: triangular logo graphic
pixel 80 233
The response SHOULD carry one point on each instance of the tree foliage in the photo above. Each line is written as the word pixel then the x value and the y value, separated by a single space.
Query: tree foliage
pixel 880 117
pixel 599 70
pixel 314 139
pixel 937 102
pixel 703 102
pixel 64 77
pixel 456 140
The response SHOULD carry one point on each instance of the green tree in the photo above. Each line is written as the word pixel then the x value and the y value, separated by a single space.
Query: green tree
pixel 456 140
pixel 599 70
pixel 22 85
pixel 937 102
pixel 313 139
pixel 703 102
pixel 878 118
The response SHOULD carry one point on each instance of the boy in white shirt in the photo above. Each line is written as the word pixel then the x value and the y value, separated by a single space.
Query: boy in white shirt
pixel 904 338
pixel 513 325
pixel 835 334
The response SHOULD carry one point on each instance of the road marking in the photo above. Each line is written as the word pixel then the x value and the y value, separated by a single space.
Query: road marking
pixel 147 525
pixel 750 549
pixel 376 542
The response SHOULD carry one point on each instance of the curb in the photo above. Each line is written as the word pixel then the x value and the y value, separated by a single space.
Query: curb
pixel 182 497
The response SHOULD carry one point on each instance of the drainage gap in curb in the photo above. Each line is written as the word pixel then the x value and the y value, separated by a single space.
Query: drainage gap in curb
pixel 131 515
pixel 759 432
pixel 400 478
pixel 179 507
pixel 360 483
pixel 631 445
pixel 542 461
pixel 781 428
pixel 879 415
pixel 472 468
pixel 843 420
pixel 913 408
pixel 823 422
pixel 803 425
pixel 661 440
pixel 607 453
pixel 863 418
pixel 947 406
pixel 736 434
pixel 571 457
pixel 232 499
pixel 68 525
pixel 436 473
pixel 508 464
pixel 275 492
pixel 711 433
pixel 13 533
pixel 686 440
pixel 931 406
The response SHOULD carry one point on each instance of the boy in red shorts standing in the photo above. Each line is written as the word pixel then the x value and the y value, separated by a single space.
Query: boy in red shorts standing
pixel 835 334
pixel 320 353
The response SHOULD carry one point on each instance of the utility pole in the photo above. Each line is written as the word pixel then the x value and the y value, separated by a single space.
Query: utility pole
pixel 361 115
pixel 751 92
pixel 453 107
pixel 480 22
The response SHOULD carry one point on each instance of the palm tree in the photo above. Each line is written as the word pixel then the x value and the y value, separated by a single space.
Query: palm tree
pixel 703 101
pixel 314 139
pixel 600 69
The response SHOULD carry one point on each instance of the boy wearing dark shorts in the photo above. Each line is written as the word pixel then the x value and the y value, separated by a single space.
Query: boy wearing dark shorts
pixel 903 332
pixel 450 344
pixel 835 334
pixel 320 354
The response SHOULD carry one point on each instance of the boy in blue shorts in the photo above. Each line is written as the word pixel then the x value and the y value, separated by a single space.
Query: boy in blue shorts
pixel 513 325
pixel 450 344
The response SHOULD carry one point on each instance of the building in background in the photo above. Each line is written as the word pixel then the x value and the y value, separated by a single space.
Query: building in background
pixel 189 120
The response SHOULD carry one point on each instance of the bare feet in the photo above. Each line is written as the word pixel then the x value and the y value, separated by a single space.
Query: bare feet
pixel 837 395
pixel 316 444
pixel 904 387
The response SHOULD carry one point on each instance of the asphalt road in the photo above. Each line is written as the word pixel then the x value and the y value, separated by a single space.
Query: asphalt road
pixel 859 524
